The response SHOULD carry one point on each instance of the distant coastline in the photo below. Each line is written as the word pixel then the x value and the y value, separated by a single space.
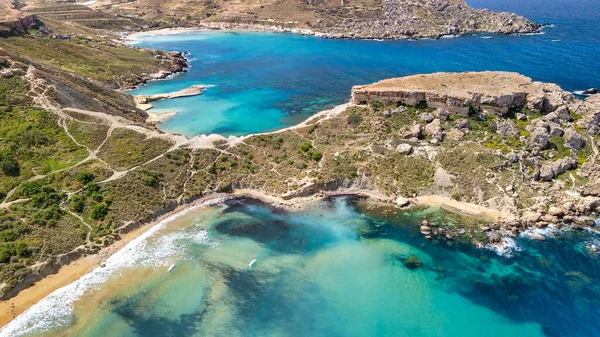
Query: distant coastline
pixel 227 26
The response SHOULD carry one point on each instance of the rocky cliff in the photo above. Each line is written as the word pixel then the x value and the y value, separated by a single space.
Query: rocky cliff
pixel 13 21
pixel 497 92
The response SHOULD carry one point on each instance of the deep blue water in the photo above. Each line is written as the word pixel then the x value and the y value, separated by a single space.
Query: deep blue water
pixel 266 81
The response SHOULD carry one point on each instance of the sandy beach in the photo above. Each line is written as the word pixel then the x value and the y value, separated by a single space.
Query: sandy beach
pixel 69 273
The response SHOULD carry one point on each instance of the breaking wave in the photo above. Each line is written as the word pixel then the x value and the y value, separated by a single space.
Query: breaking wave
pixel 56 309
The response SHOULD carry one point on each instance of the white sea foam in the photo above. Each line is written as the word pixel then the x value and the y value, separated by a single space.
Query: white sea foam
pixel 57 308
pixel 504 248
pixel 551 231
pixel 581 93
pixel 486 37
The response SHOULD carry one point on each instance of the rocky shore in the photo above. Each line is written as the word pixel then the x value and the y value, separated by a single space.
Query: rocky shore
pixel 393 19
pixel 541 128
pixel 172 63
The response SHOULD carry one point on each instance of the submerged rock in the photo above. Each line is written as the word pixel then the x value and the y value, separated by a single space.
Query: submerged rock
pixel 412 262
pixel 590 91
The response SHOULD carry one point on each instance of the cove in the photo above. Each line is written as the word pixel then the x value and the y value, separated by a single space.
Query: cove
pixel 335 269
pixel 267 81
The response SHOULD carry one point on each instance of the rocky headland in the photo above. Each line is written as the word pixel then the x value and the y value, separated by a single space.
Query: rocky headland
pixel 387 19
pixel 542 132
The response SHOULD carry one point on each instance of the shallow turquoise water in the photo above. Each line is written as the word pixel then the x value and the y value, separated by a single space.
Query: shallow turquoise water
pixel 266 81
pixel 330 271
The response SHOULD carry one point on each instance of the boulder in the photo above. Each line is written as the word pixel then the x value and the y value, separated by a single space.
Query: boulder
pixel 556 130
pixel 551 117
pixel 402 201
pixel 552 170
pixel 414 131
pixel 405 149
pixel 590 114
pixel 538 138
pixel 6 73
pixel 426 117
pixel 506 128
pixel 556 211
pixel 563 114
pixel 462 124
pixel 434 130
pixel 441 113
pixel 521 116
pixel 573 139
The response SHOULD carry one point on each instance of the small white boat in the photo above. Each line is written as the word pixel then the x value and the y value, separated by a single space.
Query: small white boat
pixel 171 268
pixel 251 263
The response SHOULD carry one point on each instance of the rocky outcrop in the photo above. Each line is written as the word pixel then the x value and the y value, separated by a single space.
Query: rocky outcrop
pixel 143 101
pixel 15 22
pixel 435 131
pixel 552 170
pixel 506 128
pixel 590 114
pixel 573 140
pixel 458 93
pixel 173 63
pixel 468 93
pixel 399 19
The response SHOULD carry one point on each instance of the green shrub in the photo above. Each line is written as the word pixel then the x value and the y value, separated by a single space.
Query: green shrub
pixel 316 156
pixel 77 203
pixel 305 147
pixel 6 252
pixel 151 178
pixel 99 211
pixel 47 216
pixel 85 177
pixel 9 165
pixel 355 119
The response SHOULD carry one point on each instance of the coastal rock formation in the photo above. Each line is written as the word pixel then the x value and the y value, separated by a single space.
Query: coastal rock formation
pixel 552 170
pixel 457 93
pixel 143 101
pixel 13 21
pixel 468 93
pixel 387 19
pixel 428 18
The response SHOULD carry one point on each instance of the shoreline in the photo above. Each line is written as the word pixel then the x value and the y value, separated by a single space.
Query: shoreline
pixel 252 27
pixel 73 271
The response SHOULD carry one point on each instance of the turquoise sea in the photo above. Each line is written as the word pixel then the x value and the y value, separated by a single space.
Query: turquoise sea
pixel 267 81
pixel 244 269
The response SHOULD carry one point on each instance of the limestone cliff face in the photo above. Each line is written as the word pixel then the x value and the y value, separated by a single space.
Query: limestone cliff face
pixel 496 92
